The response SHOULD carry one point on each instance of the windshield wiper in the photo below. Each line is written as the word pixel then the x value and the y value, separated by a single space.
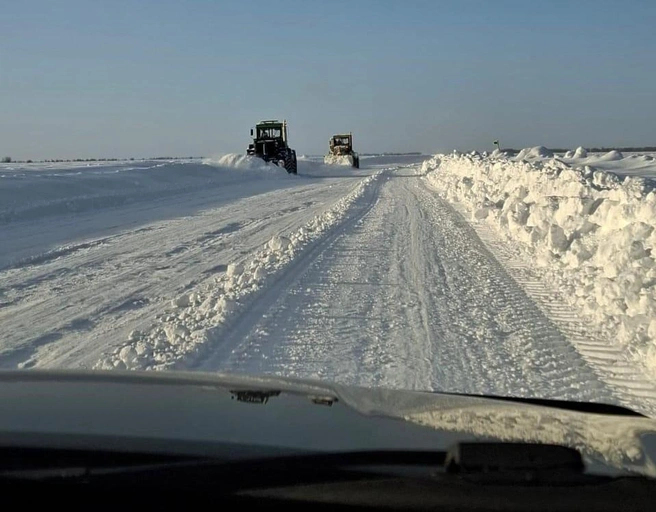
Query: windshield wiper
pixel 588 407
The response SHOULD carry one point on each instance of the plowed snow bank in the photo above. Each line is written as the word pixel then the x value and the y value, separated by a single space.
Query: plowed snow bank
pixel 592 231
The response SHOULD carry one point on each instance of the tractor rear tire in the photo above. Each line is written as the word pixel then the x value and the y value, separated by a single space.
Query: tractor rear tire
pixel 291 164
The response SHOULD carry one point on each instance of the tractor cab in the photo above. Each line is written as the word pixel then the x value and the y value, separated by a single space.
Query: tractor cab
pixel 271 145
pixel 341 144
pixel 269 132
pixel 340 151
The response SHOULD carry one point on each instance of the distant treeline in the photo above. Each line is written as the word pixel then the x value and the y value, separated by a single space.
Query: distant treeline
pixel 642 149
pixel 8 159
pixel 412 153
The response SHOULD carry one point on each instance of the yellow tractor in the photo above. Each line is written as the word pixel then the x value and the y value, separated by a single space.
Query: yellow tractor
pixel 341 151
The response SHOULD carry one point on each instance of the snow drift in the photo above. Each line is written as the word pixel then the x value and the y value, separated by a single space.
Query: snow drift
pixel 591 231
pixel 613 161
pixel 536 152
pixel 580 152
pixel 612 156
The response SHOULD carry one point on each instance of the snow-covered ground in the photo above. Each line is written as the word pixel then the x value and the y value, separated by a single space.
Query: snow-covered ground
pixel 89 256
pixel 528 276
pixel 629 164
pixel 584 227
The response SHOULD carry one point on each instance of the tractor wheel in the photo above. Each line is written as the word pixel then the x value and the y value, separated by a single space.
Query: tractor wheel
pixel 291 164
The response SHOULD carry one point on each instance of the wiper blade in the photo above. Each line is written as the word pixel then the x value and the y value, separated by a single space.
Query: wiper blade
pixel 587 407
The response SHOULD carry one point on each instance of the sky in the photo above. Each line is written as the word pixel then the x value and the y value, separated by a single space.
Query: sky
pixel 117 78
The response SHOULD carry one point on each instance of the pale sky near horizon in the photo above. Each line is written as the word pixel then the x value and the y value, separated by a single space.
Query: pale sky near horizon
pixel 118 78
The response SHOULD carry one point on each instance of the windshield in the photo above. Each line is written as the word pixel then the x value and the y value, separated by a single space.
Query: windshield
pixel 491 232
pixel 269 133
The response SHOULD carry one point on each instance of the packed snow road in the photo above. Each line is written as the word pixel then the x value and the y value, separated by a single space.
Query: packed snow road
pixel 405 294
pixel 363 277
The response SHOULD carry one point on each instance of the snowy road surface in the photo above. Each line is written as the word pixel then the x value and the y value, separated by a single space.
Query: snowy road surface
pixel 406 295
pixel 396 290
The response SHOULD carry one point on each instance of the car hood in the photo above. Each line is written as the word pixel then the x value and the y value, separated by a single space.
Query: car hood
pixel 228 415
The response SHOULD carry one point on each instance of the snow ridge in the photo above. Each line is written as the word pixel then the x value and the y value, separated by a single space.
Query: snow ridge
pixel 590 230
pixel 195 321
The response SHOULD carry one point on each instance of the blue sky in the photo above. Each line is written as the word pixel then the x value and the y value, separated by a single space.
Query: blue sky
pixel 93 78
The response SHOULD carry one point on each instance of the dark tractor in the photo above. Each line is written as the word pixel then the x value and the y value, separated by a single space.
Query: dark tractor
pixel 270 143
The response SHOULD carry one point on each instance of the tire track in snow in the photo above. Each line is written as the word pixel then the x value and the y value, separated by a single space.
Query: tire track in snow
pixel 406 295
pixel 609 361
pixel 241 326
pixel 493 339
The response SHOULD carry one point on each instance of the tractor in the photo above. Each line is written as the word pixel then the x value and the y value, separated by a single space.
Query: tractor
pixel 341 151
pixel 270 143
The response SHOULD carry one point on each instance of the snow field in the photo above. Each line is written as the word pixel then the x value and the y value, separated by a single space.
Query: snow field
pixel 44 192
pixel 590 230
pixel 194 321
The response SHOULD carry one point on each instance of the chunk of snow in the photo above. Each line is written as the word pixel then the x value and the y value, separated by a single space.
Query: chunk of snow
pixel 175 333
pixel 207 304
pixel 279 243
pixel 143 349
pixel 128 355
pixel 234 269
pixel 580 153
pixel 225 305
